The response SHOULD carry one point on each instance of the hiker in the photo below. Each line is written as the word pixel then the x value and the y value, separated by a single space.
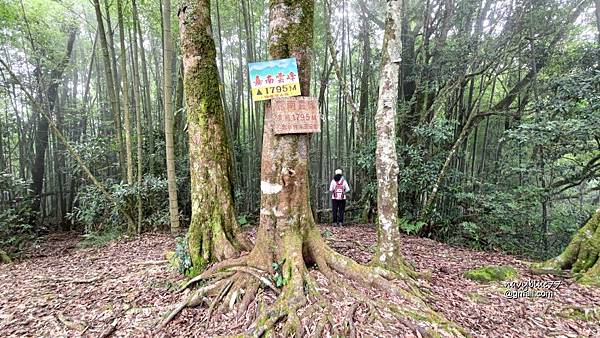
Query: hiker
pixel 338 188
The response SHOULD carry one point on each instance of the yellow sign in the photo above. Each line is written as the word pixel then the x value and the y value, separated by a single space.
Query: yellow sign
pixel 266 93
pixel 275 78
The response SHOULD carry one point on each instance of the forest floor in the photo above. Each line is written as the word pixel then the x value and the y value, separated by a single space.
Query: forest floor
pixel 122 289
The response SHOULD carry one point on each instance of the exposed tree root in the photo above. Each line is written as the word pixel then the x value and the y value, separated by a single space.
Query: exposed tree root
pixel 581 256
pixel 234 284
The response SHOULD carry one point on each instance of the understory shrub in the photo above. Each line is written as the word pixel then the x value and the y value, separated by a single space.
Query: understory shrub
pixel 17 228
pixel 95 213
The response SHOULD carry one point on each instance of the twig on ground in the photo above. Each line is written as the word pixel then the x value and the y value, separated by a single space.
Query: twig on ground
pixel 72 323
pixel 560 273
pixel 69 280
pixel 109 330
pixel 255 273
pixel 215 277
pixel 217 300
pixel 350 320
pixel 349 241
pixel 161 262
pixel 194 299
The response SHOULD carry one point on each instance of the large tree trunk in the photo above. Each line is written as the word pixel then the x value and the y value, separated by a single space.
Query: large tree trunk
pixel 168 107
pixel 582 254
pixel 214 233
pixel 287 234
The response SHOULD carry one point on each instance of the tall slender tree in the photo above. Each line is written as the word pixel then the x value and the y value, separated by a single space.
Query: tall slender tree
pixel 168 108
pixel 110 84
pixel 388 236
pixel 125 101
pixel 145 83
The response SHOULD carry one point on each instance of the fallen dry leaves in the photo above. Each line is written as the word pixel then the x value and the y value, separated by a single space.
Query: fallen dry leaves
pixel 123 289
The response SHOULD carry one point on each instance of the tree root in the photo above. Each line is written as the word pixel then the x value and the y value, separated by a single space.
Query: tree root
pixel 349 321
pixel 234 284
pixel 580 257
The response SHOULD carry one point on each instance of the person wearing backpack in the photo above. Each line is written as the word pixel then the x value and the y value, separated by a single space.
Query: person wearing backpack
pixel 338 188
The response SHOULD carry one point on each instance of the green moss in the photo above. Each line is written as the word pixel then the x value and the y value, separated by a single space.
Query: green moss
pixel 5 258
pixel 588 279
pixel 172 259
pixel 491 273
pixel 587 315
pixel 195 244
pixel 194 271
pixel 581 252
pixel 478 298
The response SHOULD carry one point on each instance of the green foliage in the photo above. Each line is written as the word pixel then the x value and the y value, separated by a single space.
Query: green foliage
pixel 95 212
pixel 102 237
pixel 491 273
pixel 16 216
pixel 410 227
pixel 242 220
pixel 4 258
pixel 327 233
pixel 181 258
pixel 278 276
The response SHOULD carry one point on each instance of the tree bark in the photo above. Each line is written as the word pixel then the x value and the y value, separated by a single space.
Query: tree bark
pixel 168 107
pixel 582 254
pixel 388 236
pixel 288 239
pixel 214 233
pixel 138 123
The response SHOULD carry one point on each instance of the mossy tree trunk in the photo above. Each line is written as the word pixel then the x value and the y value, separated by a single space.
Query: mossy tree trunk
pixel 287 234
pixel 388 253
pixel 582 254
pixel 214 233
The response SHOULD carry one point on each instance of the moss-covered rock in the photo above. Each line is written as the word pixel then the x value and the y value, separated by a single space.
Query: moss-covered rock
pixel 491 273
pixel 5 258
